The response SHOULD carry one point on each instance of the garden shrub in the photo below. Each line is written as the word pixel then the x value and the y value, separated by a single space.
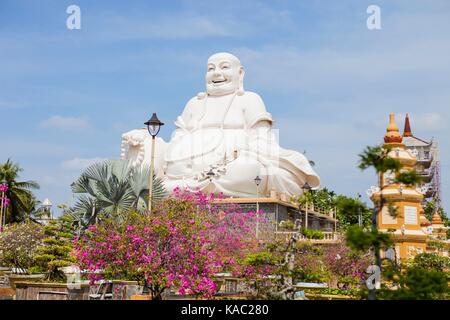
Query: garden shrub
pixel 55 251
pixel 18 245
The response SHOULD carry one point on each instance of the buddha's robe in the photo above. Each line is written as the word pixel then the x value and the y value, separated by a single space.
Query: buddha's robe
pixel 232 136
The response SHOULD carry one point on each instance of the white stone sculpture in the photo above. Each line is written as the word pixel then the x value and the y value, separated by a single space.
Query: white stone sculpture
pixel 226 131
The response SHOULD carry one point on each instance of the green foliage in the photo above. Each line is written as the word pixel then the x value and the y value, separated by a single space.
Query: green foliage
pixel 359 239
pixel 19 192
pixel 260 258
pixel 55 252
pixel 286 225
pixel 111 189
pixel 313 234
pixel 415 283
pixel 336 265
pixel 409 178
pixel 431 261
pixel 429 209
pixel 348 211
pixel 437 244
pixel 323 198
pixel 378 158
pixel 335 291
pixel 18 245
pixel 392 210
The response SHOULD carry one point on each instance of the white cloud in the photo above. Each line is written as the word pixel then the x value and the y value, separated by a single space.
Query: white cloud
pixel 80 163
pixel 67 123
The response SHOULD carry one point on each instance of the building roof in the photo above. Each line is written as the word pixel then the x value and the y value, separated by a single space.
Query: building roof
pixel 409 139
pixel 412 141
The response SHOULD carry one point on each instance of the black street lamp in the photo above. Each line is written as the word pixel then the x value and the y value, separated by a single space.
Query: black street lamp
pixel 210 174
pixel 4 186
pixel 359 211
pixel 257 182
pixel 153 127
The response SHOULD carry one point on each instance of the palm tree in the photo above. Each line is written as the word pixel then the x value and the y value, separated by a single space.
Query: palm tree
pixel 19 192
pixel 111 189
pixel 33 209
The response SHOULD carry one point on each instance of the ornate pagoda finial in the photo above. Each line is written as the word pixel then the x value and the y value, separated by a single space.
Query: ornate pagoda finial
pixel 407 131
pixel 392 135
pixel 436 218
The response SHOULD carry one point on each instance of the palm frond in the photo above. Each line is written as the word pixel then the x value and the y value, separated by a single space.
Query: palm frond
pixel 27 185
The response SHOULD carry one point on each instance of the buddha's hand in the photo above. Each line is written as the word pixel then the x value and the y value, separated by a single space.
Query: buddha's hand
pixel 133 147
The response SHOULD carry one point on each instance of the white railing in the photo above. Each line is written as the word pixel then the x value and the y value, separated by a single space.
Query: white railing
pixel 315 209
pixel 328 236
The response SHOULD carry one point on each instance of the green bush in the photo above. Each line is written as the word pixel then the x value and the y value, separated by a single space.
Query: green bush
pixel 18 245
pixel 56 249
pixel 415 283
pixel 334 291
pixel 313 234
pixel 431 261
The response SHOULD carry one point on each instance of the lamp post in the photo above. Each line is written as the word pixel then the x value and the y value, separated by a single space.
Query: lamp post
pixel 359 211
pixel 210 174
pixel 153 127
pixel 3 188
pixel 1 210
pixel 306 188
pixel 257 182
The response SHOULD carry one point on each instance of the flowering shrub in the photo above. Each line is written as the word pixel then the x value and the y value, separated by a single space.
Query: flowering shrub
pixel 183 244
pixel 3 187
pixel 279 265
pixel 4 201
pixel 18 244
pixel 346 265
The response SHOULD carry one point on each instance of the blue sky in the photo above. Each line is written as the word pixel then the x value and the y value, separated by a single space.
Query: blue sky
pixel 66 96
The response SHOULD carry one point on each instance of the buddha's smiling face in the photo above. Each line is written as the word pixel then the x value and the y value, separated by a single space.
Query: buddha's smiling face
pixel 223 74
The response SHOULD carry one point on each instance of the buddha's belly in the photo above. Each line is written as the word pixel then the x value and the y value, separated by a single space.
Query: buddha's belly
pixel 193 154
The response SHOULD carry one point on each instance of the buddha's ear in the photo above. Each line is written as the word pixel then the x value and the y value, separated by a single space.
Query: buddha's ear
pixel 240 91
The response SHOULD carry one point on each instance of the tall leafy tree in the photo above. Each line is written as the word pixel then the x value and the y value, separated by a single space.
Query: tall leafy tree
pixel 19 192
pixel 348 210
pixel 352 211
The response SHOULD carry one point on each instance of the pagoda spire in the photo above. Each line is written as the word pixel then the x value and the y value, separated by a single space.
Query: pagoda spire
pixel 407 131
pixel 392 135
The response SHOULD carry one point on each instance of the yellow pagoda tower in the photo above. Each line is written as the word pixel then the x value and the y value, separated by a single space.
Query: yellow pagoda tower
pixel 400 214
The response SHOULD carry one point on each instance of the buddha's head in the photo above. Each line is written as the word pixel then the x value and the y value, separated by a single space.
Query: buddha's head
pixel 224 75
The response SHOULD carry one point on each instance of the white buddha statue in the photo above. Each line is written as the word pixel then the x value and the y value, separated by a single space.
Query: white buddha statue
pixel 228 132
